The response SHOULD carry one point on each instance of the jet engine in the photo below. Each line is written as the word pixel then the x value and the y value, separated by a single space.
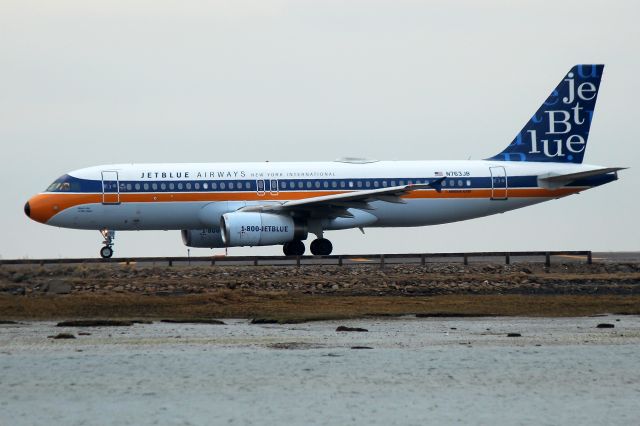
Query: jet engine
pixel 206 238
pixel 260 229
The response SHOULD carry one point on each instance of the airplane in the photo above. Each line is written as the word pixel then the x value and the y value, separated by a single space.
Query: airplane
pixel 270 203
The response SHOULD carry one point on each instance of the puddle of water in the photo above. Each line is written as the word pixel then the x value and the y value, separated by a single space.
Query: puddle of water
pixel 435 370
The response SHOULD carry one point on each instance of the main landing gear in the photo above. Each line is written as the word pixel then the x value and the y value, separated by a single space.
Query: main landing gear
pixel 107 251
pixel 293 248
pixel 321 247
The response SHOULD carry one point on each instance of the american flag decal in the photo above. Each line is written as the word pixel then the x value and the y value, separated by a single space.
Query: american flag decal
pixel 439 174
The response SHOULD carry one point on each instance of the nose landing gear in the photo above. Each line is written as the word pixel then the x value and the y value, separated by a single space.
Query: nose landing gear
pixel 107 251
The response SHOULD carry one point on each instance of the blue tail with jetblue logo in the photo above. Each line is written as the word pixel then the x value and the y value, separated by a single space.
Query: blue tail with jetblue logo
pixel 558 131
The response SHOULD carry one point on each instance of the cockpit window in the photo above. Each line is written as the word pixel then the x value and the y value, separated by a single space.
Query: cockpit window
pixel 64 184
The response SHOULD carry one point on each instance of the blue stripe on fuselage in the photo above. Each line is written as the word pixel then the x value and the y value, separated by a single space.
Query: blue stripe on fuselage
pixel 246 185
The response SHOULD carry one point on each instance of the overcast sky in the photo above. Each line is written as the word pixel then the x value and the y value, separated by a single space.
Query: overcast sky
pixel 86 83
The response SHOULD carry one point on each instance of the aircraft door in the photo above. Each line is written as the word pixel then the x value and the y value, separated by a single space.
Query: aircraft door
pixel 110 187
pixel 499 185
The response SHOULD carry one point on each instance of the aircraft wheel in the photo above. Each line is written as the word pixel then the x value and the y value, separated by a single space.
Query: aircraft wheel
pixel 293 248
pixel 321 247
pixel 286 249
pixel 106 252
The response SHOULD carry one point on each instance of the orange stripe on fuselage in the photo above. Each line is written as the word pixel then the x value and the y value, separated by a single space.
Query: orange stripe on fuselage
pixel 46 205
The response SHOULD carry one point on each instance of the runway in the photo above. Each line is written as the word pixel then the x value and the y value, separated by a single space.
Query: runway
pixel 547 257
pixel 418 371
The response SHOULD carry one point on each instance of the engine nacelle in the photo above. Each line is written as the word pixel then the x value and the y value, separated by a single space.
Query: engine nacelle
pixel 260 229
pixel 205 238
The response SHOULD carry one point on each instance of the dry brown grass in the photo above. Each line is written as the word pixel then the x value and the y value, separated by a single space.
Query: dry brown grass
pixel 297 307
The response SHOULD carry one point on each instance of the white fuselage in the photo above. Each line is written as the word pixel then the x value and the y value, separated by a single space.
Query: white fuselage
pixel 194 196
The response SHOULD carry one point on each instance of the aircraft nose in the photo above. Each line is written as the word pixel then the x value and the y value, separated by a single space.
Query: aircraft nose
pixel 42 207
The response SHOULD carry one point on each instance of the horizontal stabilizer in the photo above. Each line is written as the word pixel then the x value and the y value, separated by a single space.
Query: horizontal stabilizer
pixel 551 181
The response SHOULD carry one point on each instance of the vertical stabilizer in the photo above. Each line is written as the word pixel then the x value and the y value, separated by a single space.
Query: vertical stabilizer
pixel 559 130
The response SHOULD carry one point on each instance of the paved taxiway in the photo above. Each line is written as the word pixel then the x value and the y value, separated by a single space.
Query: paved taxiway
pixel 420 370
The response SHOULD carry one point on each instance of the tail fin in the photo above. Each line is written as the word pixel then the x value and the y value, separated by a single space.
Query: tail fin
pixel 559 130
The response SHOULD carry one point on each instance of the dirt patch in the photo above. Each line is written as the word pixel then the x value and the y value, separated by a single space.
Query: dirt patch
pixel 95 323
pixel 194 321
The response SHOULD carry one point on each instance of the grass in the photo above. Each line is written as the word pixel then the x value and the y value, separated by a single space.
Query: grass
pixel 287 307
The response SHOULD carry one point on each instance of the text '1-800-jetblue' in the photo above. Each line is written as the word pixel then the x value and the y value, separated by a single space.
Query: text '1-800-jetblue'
pixel 260 204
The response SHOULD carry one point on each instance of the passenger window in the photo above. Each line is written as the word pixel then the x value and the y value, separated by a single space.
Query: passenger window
pixel 154 186
pixel 367 184
pixel 444 183
pixel 308 184
pixel 172 186
pixel 393 183
pixel 283 184
pixel 247 185
pixel 205 185
pixel 188 185
pixel 146 186
pixel 401 182
pixel 359 184
pixel 129 187
pixel 214 185
pixel 222 185
pixel 459 182
pixel 334 184
pixel 317 184
pixel 137 187
pixel 350 184
pixel 376 184
pixel 180 186
pixel 231 185
pixel 342 184
pixel 300 184
pixel 325 184
pixel 468 183
pixel 384 183
pixel 163 186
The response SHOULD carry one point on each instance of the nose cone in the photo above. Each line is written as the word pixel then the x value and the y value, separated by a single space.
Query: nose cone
pixel 41 207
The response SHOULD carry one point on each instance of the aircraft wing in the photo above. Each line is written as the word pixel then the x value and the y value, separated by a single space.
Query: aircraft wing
pixel 337 204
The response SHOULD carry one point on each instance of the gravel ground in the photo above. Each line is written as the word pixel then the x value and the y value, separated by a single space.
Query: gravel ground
pixel 419 370
pixel 358 280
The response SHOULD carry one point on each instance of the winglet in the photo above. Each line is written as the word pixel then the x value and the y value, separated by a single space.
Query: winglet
pixel 437 183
